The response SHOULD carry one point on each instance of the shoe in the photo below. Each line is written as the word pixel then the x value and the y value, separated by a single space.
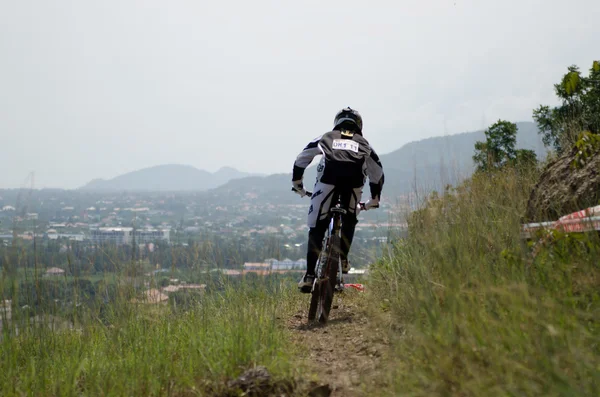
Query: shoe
pixel 345 266
pixel 306 284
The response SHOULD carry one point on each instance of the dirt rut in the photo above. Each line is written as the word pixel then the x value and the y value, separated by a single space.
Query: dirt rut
pixel 347 353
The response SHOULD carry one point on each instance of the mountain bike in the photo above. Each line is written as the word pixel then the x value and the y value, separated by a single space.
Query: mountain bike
pixel 329 265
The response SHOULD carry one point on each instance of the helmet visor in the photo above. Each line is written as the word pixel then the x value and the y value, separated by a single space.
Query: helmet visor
pixel 347 116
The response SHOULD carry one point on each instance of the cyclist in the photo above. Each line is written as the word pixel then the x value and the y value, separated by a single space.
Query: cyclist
pixel 347 160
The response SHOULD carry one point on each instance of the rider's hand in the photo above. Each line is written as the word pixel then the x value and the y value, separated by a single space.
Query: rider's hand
pixel 371 203
pixel 299 187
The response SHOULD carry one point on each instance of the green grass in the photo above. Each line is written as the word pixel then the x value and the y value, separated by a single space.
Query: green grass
pixel 470 309
pixel 142 349
pixel 473 310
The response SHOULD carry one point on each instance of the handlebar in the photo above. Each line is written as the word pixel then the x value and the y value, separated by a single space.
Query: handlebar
pixel 309 194
pixel 362 205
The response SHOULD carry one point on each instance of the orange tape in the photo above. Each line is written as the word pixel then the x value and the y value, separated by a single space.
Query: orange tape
pixel 359 287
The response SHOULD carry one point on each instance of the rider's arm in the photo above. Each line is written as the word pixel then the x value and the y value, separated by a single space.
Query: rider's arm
pixel 375 174
pixel 305 157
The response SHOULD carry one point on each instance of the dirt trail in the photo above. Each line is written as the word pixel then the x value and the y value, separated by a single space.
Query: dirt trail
pixel 346 353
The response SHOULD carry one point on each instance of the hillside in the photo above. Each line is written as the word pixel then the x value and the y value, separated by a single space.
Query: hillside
pixel 171 177
pixel 422 165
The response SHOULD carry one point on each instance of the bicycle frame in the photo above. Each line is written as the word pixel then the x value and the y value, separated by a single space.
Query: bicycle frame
pixel 329 264
pixel 328 267
pixel 333 230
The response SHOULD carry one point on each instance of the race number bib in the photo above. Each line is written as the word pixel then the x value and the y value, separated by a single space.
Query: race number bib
pixel 345 144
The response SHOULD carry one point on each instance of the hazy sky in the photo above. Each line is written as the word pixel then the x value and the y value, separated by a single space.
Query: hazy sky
pixel 97 88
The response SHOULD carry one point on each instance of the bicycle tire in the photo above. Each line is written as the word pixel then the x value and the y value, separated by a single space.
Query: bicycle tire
pixel 329 286
pixel 314 302
pixel 317 299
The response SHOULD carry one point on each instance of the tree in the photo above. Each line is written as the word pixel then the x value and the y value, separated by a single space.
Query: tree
pixel 499 148
pixel 525 158
pixel 579 109
pixel 163 282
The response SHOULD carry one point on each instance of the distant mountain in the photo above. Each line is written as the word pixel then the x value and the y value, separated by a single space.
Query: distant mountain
pixel 171 177
pixel 419 166
pixel 435 162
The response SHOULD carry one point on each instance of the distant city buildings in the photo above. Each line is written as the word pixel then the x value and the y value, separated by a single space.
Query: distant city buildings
pixel 55 271
pixel 229 221
pixel 116 235
pixel 275 266
pixel 126 235
pixel 52 234
pixel 151 235
pixel 287 264
pixel 31 216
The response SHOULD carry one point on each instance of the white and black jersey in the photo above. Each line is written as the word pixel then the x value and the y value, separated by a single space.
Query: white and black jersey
pixel 348 160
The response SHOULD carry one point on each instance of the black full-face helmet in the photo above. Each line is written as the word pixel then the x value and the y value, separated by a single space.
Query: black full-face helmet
pixel 348 115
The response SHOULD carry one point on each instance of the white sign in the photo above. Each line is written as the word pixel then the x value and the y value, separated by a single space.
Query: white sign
pixel 345 144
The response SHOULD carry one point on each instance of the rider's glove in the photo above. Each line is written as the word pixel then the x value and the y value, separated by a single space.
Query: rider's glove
pixel 299 187
pixel 372 203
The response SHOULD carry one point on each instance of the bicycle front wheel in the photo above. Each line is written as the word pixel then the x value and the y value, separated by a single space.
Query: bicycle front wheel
pixel 318 300
pixel 328 285
pixel 314 308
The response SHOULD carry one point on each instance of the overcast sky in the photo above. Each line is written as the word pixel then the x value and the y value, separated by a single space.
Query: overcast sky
pixel 94 89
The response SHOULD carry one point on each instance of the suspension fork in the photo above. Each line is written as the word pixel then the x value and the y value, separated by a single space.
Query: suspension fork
pixel 329 243
pixel 336 232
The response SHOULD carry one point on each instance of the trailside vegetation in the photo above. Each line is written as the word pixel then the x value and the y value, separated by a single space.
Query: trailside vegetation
pixel 471 306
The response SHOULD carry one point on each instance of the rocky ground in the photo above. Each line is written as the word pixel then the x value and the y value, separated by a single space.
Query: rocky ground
pixel 563 188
